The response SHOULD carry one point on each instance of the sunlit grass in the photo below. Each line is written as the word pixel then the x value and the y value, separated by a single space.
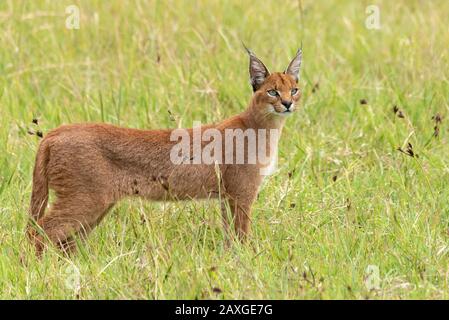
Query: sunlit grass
pixel 344 198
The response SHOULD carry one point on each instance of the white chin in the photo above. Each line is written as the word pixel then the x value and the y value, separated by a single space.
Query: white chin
pixel 284 114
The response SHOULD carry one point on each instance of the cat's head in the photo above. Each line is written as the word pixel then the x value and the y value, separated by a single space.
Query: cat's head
pixel 275 93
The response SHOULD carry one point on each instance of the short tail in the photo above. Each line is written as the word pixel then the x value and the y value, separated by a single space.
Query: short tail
pixel 39 195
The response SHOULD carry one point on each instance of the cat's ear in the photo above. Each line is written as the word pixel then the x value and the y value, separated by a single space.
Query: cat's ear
pixel 295 66
pixel 257 70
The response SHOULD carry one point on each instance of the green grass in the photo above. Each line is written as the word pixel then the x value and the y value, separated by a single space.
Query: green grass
pixel 312 237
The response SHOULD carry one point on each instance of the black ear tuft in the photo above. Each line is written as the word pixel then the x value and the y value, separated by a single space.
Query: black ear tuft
pixel 257 70
pixel 295 65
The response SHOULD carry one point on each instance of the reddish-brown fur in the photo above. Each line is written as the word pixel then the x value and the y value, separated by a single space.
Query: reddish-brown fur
pixel 91 167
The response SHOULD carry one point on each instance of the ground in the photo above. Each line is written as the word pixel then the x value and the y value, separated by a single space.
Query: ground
pixel 347 214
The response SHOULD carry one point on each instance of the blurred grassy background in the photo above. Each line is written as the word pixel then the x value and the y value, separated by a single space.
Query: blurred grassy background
pixel 344 198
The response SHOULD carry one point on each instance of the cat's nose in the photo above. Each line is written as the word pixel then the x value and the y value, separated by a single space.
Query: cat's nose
pixel 287 104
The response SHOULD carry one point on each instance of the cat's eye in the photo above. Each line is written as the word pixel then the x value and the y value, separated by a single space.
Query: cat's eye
pixel 272 93
pixel 294 91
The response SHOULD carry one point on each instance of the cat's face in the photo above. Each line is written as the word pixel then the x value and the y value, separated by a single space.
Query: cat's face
pixel 276 93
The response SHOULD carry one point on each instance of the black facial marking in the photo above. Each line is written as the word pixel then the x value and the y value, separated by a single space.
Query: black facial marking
pixel 282 80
